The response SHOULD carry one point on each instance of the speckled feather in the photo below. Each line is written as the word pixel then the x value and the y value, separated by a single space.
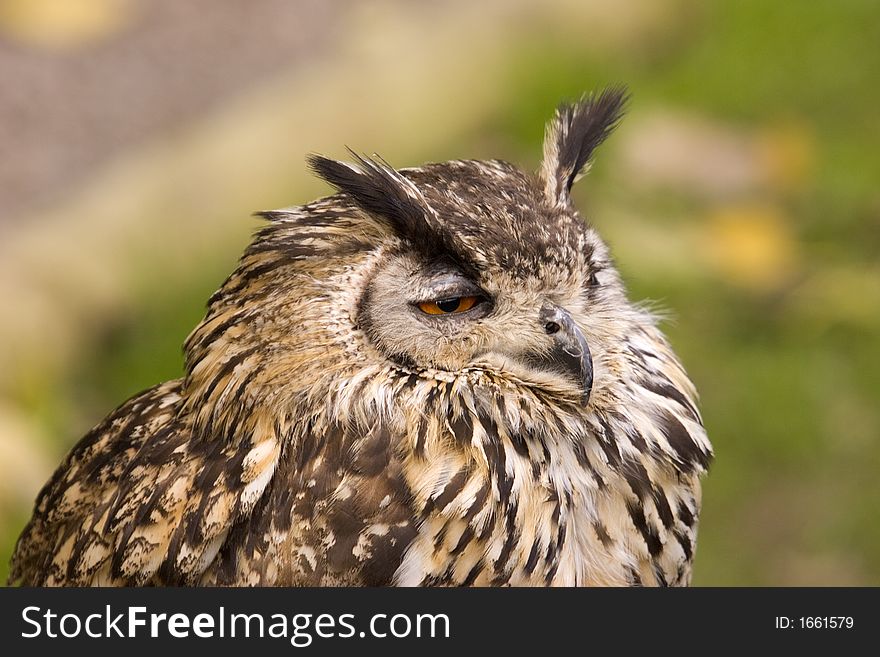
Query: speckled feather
pixel 305 446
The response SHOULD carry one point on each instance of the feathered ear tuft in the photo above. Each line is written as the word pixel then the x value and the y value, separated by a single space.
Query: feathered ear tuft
pixel 377 189
pixel 572 136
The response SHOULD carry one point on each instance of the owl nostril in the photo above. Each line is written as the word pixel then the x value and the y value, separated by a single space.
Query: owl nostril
pixel 551 328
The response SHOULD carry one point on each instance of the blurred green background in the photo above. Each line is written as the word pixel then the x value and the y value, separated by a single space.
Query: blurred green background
pixel 740 195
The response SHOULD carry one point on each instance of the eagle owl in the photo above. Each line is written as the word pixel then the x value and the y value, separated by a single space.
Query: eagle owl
pixel 432 377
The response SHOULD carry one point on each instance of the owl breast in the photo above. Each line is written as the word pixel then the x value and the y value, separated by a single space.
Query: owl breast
pixel 508 500
pixel 417 480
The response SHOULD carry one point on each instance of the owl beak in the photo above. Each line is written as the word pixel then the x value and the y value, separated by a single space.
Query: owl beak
pixel 570 354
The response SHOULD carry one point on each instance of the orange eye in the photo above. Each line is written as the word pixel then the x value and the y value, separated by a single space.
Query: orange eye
pixel 448 306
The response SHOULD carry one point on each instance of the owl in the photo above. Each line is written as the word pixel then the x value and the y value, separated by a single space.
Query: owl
pixel 432 377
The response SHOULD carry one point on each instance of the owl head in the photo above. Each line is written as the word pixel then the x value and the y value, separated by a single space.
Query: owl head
pixel 484 266
pixel 450 271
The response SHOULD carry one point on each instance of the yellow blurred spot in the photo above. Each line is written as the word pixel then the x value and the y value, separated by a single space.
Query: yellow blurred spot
pixel 25 462
pixel 788 153
pixel 751 247
pixel 62 23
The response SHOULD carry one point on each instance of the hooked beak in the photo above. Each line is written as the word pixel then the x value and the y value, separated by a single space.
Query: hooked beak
pixel 570 354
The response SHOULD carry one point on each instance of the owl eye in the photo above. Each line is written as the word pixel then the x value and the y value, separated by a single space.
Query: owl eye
pixel 448 306
pixel 593 281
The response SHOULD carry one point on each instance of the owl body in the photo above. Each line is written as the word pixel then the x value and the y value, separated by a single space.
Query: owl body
pixel 432 377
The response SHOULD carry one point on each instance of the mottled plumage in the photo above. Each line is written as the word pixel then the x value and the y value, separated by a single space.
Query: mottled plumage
pixel 336 426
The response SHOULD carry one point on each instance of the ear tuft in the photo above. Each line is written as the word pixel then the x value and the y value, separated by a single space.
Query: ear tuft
pixel 377 189
pixel 572 136
pixel 392 198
